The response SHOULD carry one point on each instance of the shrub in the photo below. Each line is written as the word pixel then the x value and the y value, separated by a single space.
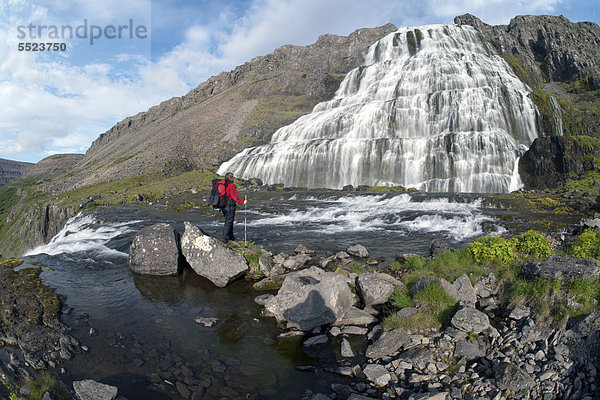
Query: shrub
pixel 493 249
pixel 533 246
pixel 586 245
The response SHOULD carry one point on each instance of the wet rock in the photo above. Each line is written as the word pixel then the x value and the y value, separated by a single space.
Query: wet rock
pixel 210 259
pixel 311 298
pixel 262 299
pixel 92 390
pixel 388 343
pixel 302 249
pixel 513 379
pixel 206 321
pixel 561 268
pixel 346 349
pixel 438 246
pixel 358 250
pixel 270 283
pixel 347 188
pixel 465 291
pixel 256 182
pixel 183 390
pixel 155 251
pixel 376 288
pixel 377 374
pixel 469 319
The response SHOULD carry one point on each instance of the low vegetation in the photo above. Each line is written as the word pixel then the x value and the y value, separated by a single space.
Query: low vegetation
pixel 552 301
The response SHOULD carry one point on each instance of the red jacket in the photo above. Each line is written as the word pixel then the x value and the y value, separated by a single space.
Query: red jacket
pixel 231 192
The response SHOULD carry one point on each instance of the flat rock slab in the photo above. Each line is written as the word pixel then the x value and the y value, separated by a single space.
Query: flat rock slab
pixel 388 343
pixel 561 268
pixel 155 251
pixel 92 390
pixel 311 298
pixel 210 259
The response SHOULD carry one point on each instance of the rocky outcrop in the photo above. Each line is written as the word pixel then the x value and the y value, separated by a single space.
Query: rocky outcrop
pixel 29 321
pixel 11 171
pixel 552 47
pixel 155 251
pixel 559 60
pixel 554 160
pixel 211 259
pixel 311 298
pixel 564 269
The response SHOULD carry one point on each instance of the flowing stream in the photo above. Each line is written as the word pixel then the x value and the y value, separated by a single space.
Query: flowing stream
pixel 141 332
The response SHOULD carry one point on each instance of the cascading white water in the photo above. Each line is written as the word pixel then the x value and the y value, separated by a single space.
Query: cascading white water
pixel 434 108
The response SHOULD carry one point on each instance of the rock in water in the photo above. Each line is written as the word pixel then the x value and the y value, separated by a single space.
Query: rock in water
pixel 210 259
pixel 154 251
pixel 311 298
pixel 92 390
pixel 358 250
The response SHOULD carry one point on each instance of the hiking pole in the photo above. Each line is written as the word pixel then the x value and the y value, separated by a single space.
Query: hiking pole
pixel 245 219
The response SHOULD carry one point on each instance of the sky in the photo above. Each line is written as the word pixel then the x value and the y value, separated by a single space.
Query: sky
pixel 111 59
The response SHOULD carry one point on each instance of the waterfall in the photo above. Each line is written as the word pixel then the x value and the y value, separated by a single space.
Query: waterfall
pixel 556 116
pixel 434 108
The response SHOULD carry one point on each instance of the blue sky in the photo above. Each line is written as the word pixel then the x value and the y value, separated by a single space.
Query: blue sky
pixel 60 101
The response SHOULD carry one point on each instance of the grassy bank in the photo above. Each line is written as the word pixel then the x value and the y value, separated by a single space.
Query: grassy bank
pixel 553 302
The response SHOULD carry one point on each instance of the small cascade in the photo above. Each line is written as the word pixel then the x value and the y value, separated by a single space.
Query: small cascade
pixel 557 121
pixel 434 108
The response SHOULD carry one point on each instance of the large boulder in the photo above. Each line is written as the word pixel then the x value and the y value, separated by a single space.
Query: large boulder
pixel 210 259
pixel 311 298
pixel 376 288
pixel 155 251
pixel 561 268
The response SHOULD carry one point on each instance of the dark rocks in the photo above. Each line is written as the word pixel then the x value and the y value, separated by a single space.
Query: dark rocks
pixel 311 298
pixel 376 288
pixel 551 161
pixel 210 259
pixel 561 268
pixel 92 390
pixel 438 246
pixel 155 251
pixel 347 188
pixel 256 182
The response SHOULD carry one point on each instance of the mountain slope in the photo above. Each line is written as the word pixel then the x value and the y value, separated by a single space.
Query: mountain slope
pixel 226 113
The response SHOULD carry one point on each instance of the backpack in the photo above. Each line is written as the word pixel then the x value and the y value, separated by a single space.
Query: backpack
pixel 218 197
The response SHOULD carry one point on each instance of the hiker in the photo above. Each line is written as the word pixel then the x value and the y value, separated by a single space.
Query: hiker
pixel 229 209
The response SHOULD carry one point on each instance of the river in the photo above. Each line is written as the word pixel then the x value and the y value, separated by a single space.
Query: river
pixel 140 331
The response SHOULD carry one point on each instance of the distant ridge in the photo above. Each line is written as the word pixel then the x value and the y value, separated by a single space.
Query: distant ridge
pixel 11 171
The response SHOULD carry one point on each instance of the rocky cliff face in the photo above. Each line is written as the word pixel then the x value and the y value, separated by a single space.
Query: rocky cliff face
pixel 227 112
pixel 560 60
pixel 554 160
pixel 11 171
pixel 552 48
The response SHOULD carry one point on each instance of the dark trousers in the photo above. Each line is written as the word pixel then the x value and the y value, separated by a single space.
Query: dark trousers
pixel 229 214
